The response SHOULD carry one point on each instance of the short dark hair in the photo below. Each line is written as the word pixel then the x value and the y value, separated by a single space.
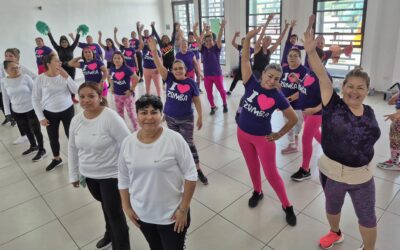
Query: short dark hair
pixel 96 87
pixel 149 100
pixel 47 59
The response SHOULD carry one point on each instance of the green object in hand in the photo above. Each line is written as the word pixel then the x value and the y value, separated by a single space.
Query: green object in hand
pixel 83 28
pixel 42 27
pixel 82 181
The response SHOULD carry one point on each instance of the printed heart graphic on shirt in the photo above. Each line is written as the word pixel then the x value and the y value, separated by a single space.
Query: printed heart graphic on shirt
pixel 128 53
pixel 92 47
pixel 183 88
pixel 309 80
pixel 119 75
pixel 265 102
pixel 293 79
pixel 92 66
pixel 39 51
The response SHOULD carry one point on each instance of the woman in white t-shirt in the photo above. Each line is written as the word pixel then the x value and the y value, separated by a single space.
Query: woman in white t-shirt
pixel 93 147
pixel 157 177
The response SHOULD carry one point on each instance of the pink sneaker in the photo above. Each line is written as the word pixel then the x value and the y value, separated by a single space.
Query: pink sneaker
pixel 290 149
pixel 328 240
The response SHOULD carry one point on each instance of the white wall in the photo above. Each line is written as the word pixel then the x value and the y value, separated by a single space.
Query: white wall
pixel 18 19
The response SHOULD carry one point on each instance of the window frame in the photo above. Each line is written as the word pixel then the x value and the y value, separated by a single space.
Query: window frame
pixel 182 2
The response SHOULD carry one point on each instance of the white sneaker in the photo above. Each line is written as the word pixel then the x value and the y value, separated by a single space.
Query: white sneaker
pixel 388 165
pixel 361 248
pixel 20 140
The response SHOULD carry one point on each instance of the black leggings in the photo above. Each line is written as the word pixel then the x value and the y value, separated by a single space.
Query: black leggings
pixel 163 237
pixel 106 191
pixel 238 76
pixel 54 124
pixel 140 62
pixel 29 125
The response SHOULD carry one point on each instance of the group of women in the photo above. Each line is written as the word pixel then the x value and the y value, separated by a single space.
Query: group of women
pixel 150 175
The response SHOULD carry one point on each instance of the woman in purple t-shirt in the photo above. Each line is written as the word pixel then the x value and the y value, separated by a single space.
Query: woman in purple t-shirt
pixel 109 49
pixel 189 58
pixel 41 51
pixel 128 52
pixel 212 69
pixel 254 133
pixel 93 69
pixel 349 133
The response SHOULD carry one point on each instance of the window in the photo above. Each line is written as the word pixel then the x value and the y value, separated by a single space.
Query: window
pixel 212 12
pixel 341 22
pixel 183 13
pixel 257 13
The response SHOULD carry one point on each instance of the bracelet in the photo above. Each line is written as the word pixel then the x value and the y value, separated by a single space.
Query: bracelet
pixel 184 211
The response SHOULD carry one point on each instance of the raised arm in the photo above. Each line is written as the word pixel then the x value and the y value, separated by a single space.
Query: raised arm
pixel 278 42
pixel 55 45
pixel 75 62
pixel 115 37
pixel 157 60
pixel 139 31
pixel 76 40
pixel 175 30
pixel 199 40
pixel 154 32
pixel 100 42
pixel 220 33
pixel 316 65
pixel 246 65
pixel 257 47
pixel 233 42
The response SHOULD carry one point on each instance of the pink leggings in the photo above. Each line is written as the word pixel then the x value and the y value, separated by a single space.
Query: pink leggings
pixel 122 101
pixel 219 83
pixel 312 123
pixel 152 74
pixel 256 149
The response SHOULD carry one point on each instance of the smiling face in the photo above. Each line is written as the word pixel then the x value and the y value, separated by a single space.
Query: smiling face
pixel 89 99
pixel 13 70
pixel 54 65
pixel 294 59
pixel 125 42
pixel 118 60
pixel 355 90
pixel 149 118
pixel 165 39
pixel 184 47
pixel 293 39
pixel 87 54
pixel 266 42
pixel 179 70
pixel 320 42
pixel 39 42
pixel 89 39
pixel 270 78
pixel 209 42
pixel 133 35
pixel 64 43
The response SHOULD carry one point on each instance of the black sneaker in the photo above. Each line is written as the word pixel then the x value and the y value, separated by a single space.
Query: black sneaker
pixel 225 110
pixel 255 198
pixel 103 243
pixel 54 163
pixel 141 80
pixel 228 93
pixel 201 91
pixel 290 216
pixel 40 154
pixel 213 110
pixel 30 150
pixel 203 179
pixel 301 175
pixel 5 122
pixel 13 123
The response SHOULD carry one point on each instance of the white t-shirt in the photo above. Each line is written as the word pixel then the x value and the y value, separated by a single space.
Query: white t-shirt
pixel 155 174
pixel 24 71
pixel 52 94
pixel 93 145
pixel 19 92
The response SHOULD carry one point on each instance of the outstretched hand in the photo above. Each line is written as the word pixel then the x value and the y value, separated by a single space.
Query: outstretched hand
pixel 253 33
pixel 309 42
pixel 152 44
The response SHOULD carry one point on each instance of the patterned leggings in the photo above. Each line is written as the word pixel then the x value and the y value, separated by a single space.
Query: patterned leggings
pixel 122 101
pixel 394 135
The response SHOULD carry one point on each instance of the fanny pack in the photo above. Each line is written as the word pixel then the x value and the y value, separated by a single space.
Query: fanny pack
pixel 342 173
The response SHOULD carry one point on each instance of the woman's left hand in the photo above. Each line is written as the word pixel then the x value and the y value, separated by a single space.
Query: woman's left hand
pixel 180 218
pixel 309 111
pixel 273 136
pixel 199 123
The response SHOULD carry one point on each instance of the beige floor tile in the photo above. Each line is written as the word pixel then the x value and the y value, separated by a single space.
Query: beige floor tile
pixel 199 215
pixel 238 170
pixel 385 192
pixel 215 133
pixel 388 232
pixel 50 181
pixel 216 156
pixel 16 193
pixel 10 175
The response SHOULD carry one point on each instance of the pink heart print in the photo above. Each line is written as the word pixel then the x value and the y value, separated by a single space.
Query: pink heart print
pixel 309 80
pixel 265 102
pixel 128 53
pixel 39 51
pixel 92 66
pixel 183 88
pixel 119 75
pixel 293 79
pixel 92 47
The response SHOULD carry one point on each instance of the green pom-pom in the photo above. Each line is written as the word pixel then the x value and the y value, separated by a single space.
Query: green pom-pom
pixel 42 27
pixel 84 29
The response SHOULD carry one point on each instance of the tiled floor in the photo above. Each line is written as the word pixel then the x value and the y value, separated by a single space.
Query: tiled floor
pixel 40 210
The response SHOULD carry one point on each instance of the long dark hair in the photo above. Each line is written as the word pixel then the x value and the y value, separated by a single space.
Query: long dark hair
pixel 112 44
pixel 95 87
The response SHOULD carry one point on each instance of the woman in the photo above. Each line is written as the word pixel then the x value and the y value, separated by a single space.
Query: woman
pixel 254 133
pixel 262 49
pixel 40 52
pixel 134 43
pixel 93 148
pixel 109 49
pixel 93 70
pixel 123 83
pixel 210 53
pixel 310 104
pixel 181 93
pixel 293 74
pixel 189 59
pixel 349 132
pixel 193 46
pixel 149 68
pixel 128 52
pixel 291 41
pixel 157 178
pixel 51 99
pixel 166 45
pixel 17 89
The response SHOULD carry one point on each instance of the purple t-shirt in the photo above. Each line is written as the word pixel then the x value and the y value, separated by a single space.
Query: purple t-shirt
pixel 134 43
pixel 239 48
pixel 210 59
pixel 121 79
pixel 148 60
pixel 187 58
pixel 258 106
pixel 309 92
pixel 289 84
pixel 129 55
pixel 346 138
pixel 194 47
pixel 178 103
pixel 108 54
pixel 91 70
pixel 398 103
pixel 325 58
pixel 94 47
pixel 40 53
